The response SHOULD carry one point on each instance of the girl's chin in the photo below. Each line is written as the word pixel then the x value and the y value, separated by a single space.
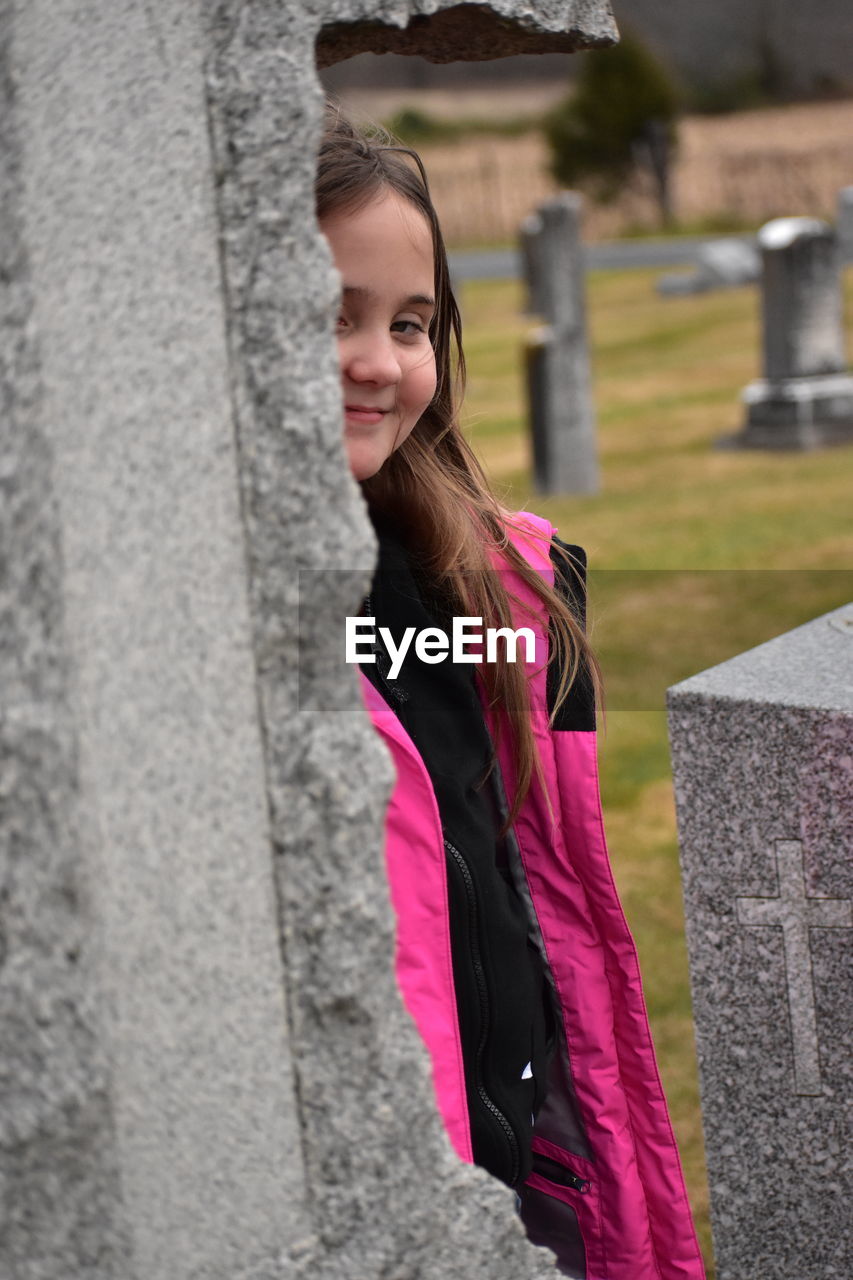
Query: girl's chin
pixel 368 451
pixel 362 471
pixel 365 462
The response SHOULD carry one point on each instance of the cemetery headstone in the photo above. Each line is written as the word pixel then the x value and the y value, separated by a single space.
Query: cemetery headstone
pixel 845 223
pixel 762 751
pixel 720 264
pixel 805 398
pixel 207 1073
pixel 562 416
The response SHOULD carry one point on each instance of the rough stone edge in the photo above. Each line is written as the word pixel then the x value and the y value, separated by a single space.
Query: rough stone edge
pixel 383 1205
pixel 488 32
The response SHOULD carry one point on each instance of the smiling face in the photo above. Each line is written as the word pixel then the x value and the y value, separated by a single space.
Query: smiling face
pixel 384 253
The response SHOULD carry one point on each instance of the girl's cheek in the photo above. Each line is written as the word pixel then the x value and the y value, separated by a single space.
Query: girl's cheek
pixel 433 381
pixel 425 372
pixel 342 354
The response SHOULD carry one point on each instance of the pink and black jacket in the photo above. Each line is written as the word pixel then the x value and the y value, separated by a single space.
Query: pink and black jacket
pixel 606 1191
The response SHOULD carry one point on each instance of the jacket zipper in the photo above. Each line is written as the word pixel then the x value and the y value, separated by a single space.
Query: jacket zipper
pixel 395 692
pixel 398 694
pixel 556 1172
pixel 479 976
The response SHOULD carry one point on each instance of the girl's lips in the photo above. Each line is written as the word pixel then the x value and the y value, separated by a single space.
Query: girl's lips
pixel 361 413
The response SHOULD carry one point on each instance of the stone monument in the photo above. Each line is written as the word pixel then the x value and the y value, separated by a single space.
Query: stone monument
pixel 805 398
pixel 206 1070
pixel 762 750
pixel 562 417
pixel 720 264
pixel 845 224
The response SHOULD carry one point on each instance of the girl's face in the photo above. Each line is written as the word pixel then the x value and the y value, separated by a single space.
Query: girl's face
pixel 384 253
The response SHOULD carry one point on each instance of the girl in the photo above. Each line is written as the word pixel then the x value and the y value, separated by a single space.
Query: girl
pixel 512 952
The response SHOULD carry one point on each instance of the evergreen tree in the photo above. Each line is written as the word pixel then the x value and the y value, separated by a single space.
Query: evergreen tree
pixel 620 118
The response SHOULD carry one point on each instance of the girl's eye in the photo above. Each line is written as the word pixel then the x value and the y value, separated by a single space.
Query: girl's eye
pixel 408 327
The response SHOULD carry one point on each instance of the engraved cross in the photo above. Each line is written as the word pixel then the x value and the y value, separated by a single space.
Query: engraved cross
pixel 797 913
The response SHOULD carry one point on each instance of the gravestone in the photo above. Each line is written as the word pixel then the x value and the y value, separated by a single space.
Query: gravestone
pixel 805 398
pixel 845 224
pixel 762 750
pixel 206 1070
pixel 720 264
pixel 562 417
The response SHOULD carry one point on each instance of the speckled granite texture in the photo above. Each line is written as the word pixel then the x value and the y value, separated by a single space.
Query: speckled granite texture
pixel 150 1129
pixel 208 1071
pixel 763 760
pixel 63 1211
pixel 444 31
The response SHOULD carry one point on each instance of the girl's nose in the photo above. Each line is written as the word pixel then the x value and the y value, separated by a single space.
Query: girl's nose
pixel 371 358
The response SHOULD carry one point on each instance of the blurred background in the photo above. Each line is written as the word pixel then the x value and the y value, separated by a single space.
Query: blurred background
pixel 763 91
pixel 713 117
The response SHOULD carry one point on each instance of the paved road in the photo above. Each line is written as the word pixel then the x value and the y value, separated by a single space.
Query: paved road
pixel 503 264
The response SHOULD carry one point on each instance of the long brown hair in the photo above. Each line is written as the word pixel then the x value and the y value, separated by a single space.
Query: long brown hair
pixel 433 486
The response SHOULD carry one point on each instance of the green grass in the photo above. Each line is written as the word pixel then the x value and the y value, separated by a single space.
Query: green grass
pixel 712 224
pixel 696 554
pixel 415 127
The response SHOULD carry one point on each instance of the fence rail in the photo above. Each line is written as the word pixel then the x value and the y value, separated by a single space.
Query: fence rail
pixel 484 188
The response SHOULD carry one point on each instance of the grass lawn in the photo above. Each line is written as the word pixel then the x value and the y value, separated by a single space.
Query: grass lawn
pixel 696 554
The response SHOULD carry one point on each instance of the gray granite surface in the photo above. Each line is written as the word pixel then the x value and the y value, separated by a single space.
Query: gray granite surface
pixel 805 398
pixel 119 219
pixel 720 264
pixel 447 30
pixel 559 389
pixel 811 666
pixel 63 1209
pixel 208 1068
pixel 801 299
pixel 383 1203
pixel 762 751
pixel 845 223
